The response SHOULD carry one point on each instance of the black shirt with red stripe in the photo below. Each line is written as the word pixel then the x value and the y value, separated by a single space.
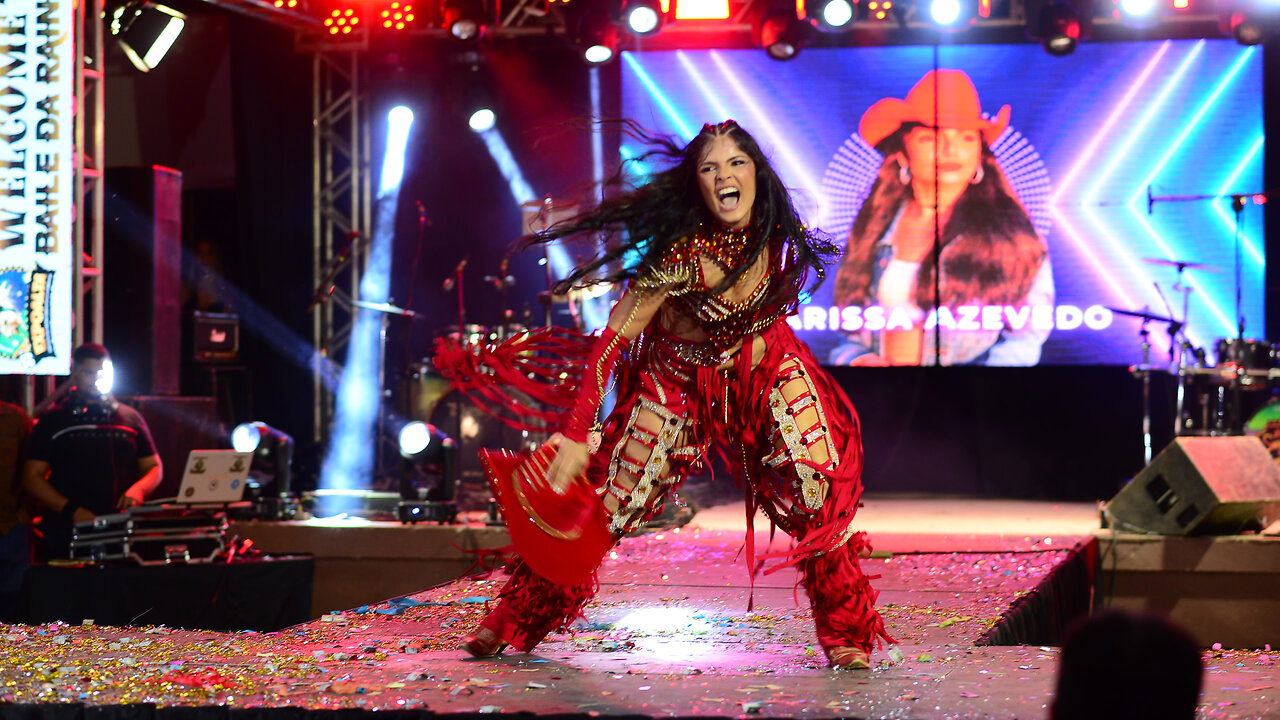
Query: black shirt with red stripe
pixel 93 450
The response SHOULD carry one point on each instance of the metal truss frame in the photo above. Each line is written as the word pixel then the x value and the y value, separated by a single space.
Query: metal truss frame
pixel 539 19
pixel 341 200
pixel 88 189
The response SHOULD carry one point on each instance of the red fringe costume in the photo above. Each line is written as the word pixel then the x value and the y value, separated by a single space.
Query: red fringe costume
pixel 677 402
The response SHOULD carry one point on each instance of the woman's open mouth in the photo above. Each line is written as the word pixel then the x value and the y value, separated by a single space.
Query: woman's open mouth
pixel 728 198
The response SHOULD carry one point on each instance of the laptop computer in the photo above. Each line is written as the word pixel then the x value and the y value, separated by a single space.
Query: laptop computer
pixel 214 476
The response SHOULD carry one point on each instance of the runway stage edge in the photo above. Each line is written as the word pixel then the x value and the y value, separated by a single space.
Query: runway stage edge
pixel 368 562
pixel 1224 589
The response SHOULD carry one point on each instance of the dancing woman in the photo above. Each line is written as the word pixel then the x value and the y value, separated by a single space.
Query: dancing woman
pixel 714 257
pixel 940 182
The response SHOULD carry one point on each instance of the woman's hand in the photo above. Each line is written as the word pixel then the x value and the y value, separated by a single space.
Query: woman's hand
pixel 569 463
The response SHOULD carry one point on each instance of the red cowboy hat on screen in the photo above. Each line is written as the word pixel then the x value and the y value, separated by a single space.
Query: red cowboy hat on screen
pixel 956 107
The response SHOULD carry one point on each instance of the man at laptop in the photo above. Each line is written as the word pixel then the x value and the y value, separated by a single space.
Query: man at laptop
pixel 89 455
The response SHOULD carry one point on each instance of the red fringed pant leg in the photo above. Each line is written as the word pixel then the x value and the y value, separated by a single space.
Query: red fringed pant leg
pixel 648 456
pixel 811 485
pixel 530 607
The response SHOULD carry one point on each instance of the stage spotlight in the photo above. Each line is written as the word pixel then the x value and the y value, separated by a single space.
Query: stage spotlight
pixel 779 31
pixel 270 447
pixel 1059 25
pixel 1250 22
pixel 415 438
pixel 464 19
pixel 643 17
pixel 1138 13
pixel 428 474
pixel 476 100
pixel 598 37
pixel 146 31
pixel 830 14
pixel 425 444
pixel 482 119
pixel 947 13
pixel 106 377
pixel 349 459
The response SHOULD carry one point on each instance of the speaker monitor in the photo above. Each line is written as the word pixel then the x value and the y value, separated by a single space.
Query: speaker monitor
pixel 142 235
pixel 1201 486
pixel 178 425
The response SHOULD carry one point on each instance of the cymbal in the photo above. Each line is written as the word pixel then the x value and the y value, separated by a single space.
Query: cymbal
pixel 383 307
pixel 1180 264
pixel 1143 315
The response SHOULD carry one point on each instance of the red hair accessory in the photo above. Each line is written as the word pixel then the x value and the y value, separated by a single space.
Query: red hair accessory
pixel 723 127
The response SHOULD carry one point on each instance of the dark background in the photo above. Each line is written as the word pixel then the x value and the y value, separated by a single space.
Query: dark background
pixel 230 107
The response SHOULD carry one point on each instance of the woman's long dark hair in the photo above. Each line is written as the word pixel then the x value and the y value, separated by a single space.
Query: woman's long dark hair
pixel 645 222
pixel 993 250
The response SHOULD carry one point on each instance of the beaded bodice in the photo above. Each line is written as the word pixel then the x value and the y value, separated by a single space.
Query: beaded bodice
pixel 725 322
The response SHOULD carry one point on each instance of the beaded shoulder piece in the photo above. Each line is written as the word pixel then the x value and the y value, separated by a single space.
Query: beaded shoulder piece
pixel 681 269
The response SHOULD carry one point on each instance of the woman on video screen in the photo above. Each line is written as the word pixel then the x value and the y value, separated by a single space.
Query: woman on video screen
pixel 940 183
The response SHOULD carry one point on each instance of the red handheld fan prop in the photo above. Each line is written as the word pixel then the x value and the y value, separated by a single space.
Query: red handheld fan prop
pixel 563 538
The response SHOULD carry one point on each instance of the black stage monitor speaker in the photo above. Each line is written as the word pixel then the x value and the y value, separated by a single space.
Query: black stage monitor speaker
pixel 142 278
pixel 1201 486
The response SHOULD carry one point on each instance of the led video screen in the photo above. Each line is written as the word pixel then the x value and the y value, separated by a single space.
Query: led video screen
pixel 1062 192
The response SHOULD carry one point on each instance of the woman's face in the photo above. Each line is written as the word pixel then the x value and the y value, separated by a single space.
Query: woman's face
pixel 727 179
pixel 958 154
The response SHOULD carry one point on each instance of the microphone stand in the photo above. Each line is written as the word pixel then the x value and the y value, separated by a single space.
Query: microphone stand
pixel 1235 418
pixel 1238 201
pixel 406 349
pixel 502 282
pixel 325 286
pixel 454 282
pixel 1146 392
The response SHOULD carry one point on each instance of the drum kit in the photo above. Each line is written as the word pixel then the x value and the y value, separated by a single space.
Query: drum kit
pixel 430 397
pixel 1218 395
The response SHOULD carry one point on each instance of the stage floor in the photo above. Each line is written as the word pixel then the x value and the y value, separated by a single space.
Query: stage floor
pixel 669 635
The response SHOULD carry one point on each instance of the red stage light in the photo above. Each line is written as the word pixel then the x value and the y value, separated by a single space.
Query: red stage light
pixel 340 20
pixel 397 17
pixel 879 9
pixel 1181 4
pixel 984 8
pixel 700 9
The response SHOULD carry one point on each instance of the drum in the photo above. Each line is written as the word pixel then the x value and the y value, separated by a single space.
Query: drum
pixel 425 388
pixel 1206 403
pixel 507 331
pixel 1212 405
pixel 471 334
pixel 474 429
pixel 1247 359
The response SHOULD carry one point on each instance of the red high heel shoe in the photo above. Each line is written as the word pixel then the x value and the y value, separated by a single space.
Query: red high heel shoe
pixel 848 658
pixel 484 644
